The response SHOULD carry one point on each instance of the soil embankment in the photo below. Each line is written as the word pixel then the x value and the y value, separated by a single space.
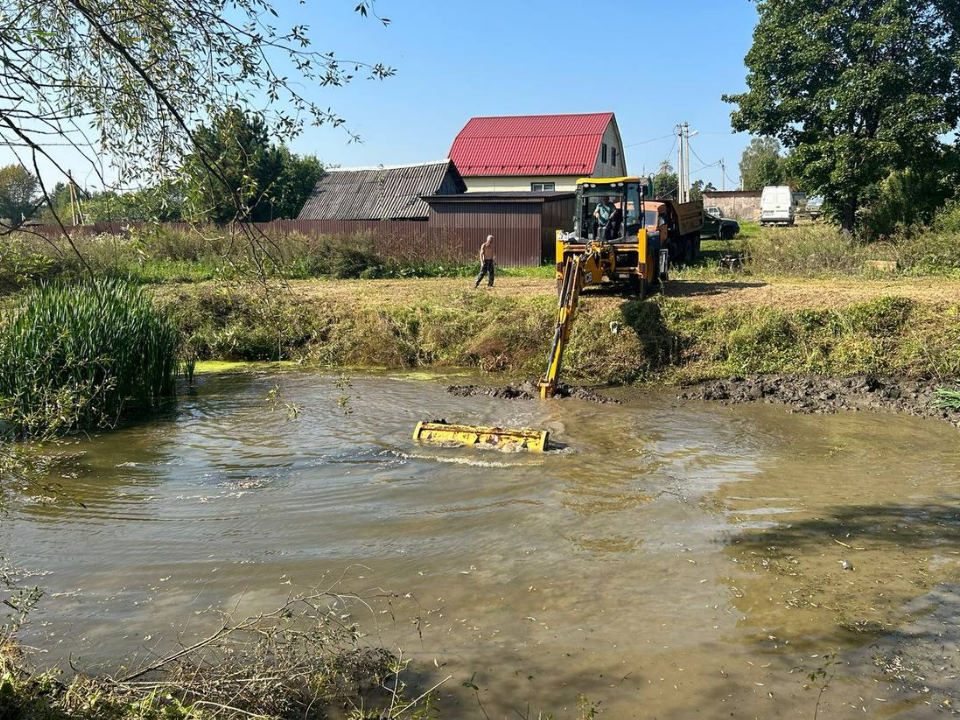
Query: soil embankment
pixel 808 394
pixel 529 390
pixel 696 332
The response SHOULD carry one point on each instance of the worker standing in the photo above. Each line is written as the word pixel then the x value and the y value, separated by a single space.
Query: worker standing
pixel 487 257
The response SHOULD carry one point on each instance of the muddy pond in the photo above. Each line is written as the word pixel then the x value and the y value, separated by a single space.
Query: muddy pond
pixel 672 559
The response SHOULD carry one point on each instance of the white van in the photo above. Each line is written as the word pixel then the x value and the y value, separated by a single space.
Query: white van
pixel 777 205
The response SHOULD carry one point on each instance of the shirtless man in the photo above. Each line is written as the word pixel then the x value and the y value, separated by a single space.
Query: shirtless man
pixel 486 261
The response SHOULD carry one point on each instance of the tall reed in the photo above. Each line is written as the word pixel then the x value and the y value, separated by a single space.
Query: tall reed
pixel 81 355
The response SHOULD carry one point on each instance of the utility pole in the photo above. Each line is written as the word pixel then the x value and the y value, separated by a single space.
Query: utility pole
pixel 73 200
pixel 680 163
pixel 723 175
pixel 683 162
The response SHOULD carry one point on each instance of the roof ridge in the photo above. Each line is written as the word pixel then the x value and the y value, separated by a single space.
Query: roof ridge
pixel 541 115
pixel 388 167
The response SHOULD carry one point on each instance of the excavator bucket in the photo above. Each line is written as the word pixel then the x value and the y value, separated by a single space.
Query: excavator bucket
pixel 443 433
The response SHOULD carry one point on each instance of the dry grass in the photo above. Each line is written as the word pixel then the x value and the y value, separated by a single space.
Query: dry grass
pixel 736 291
pixel 306 660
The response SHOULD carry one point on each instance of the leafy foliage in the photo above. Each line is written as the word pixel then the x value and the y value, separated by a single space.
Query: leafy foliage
pixel 162 202
pixel 856 88
pixel 132 80
pixel 82 355
pixel 697 189
pixel 948 398
pixel 666 182
pixel 263 180
pixel 18 193
pixel 908 200
pixel 762 164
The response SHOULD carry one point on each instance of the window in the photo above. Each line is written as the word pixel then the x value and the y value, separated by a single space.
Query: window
pixel 633 209
pixel 603 153
pixel 613 157
pixel 543 187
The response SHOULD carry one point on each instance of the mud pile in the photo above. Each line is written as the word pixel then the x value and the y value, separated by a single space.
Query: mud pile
pixel 529 391
pixel 809 394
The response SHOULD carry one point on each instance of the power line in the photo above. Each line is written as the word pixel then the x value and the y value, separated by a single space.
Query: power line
pixel 705 164
pixel 704 167
pixel 647 142
pixel 728 177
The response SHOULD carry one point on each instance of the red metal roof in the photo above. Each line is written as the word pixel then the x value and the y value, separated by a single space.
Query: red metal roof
pixel 530 145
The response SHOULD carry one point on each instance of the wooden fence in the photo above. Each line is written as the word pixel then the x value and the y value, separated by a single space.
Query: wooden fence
pixel 410 239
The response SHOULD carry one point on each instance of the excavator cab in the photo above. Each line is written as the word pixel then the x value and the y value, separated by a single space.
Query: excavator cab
pixel 610 212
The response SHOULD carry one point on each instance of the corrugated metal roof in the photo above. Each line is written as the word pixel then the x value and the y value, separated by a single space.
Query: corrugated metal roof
pixel 530 144
pixel 381 193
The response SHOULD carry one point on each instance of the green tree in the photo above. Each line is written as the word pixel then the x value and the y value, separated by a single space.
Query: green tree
pixel 159 203
pixel 232 168
pixel 910 198
pixel 762 164
pixel 18 193
pixel 265 181
pixel 298 177
pixel 666 182
pixel 132 81
pixel 854 88
pixel 697 189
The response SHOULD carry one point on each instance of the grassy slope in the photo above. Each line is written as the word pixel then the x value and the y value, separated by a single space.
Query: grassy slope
pixel 699 329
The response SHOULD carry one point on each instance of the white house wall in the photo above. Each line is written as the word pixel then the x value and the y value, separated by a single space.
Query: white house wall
pixel 522 183
pixel 611 137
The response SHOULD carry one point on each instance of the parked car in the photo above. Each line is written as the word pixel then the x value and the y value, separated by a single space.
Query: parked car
pixel 715 225
pixel 815 207
pixel 777 205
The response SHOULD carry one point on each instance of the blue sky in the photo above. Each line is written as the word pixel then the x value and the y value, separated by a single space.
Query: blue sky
pixel 653 63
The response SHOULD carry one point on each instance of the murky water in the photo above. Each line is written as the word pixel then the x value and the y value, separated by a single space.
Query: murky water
pixel 673 560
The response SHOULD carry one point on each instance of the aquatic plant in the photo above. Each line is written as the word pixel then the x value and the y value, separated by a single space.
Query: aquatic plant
pixel 81 355
pixel 947 398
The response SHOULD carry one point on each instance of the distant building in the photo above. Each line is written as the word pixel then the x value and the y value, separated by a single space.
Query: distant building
pixel 388 192
pixel 539 153
pixel 737 204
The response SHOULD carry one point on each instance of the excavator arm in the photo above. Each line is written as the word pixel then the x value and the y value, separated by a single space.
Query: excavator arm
pixel 576 274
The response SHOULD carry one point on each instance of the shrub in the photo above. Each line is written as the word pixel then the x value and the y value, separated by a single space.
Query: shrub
pixel 241 324
pixel 810 250
pixel 81 355
pixel 934 251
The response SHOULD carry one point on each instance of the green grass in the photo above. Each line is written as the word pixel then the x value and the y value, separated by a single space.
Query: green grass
pixel 82 355
pixel 660 340
pixel 163 256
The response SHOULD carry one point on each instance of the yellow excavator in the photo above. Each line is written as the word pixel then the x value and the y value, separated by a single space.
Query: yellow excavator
pixel 621 236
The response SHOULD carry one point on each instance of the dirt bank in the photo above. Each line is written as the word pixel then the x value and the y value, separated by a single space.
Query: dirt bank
pixel 530 391
pixel 810 394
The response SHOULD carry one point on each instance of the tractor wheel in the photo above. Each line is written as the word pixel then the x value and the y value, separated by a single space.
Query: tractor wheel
pixel 694 250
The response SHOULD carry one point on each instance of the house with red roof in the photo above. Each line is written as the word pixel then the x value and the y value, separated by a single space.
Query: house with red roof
pixel 537 153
